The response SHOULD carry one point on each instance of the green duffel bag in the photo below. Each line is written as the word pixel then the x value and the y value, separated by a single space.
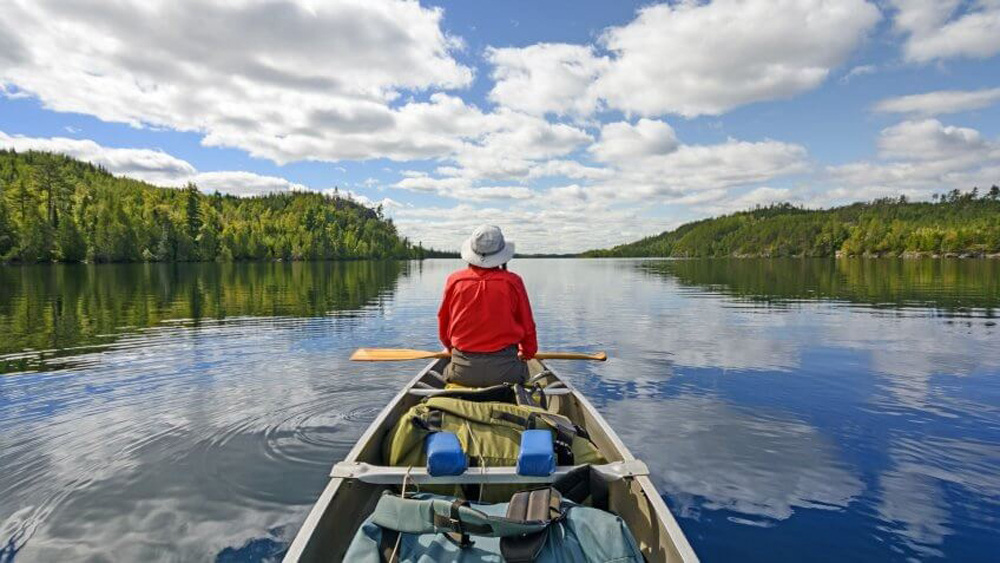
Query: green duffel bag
pixel 537 526
pixel 490 434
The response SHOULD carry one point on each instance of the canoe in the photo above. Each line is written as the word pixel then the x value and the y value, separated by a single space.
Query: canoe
pixel 357 482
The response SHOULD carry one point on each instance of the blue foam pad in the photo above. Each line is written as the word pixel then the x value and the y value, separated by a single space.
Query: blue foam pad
pixel 537 456
pixel 444 454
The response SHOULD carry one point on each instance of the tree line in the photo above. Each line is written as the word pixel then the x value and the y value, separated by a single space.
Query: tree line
pixel 952 223
pixel 55 208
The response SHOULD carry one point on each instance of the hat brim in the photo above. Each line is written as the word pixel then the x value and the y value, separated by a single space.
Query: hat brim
pixel 489 261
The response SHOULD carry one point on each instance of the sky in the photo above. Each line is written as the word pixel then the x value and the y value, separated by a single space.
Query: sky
pixel 572 124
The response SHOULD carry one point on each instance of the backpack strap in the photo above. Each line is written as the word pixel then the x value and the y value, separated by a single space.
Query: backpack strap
pixel 387 546
pixel 436 515
pixel 539 505
pixel 564 431
pixel 502 393
pixel 525 396
pixel 453 521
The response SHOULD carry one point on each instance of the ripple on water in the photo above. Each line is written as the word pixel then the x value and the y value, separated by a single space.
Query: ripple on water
pixel 821 419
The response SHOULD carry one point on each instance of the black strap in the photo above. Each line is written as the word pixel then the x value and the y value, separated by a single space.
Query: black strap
pixel 512 418
pixel 563 442
pixel 502 393
pixel 539 505
pixel 564 431
pixel 387 545
pixel 458 534
pixel 524 397
pixel 430 422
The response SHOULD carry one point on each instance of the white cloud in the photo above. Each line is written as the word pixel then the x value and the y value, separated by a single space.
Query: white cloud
pixel 941 29
pixel 569 169
pixel 153 166
pixel 687 58
pixel 244 183
pixel 541 224
pixel 649 161
pixel 624 141
pixel 758 196
pixel 546 78
pixel 694 59
pixel 931 140
pixel 461 188
pixel 918 157
pixel 861 70
pixel 285 80
pixel 388 204
pixel 515 143
pixel 940 102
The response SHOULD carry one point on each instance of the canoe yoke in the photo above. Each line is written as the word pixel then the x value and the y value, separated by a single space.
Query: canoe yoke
pixel 389 475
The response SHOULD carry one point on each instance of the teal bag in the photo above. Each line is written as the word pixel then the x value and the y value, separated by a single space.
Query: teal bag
pixel 427 528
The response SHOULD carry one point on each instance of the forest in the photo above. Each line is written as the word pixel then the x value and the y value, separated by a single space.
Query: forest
pixel 55 208
pixel 954 223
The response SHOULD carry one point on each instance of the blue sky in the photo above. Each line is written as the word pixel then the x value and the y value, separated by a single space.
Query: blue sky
pixel 571 124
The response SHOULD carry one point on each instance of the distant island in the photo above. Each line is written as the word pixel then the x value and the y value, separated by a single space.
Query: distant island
pixel 55 208
pixel 953 224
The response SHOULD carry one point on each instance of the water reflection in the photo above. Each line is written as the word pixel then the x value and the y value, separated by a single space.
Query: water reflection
pixel 954 286
pixel 175 440
pixel 759 465
pixel 53 310
pixel 799 410
pixel 878 379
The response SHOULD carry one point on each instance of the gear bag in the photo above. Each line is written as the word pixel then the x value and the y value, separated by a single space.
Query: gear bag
pixel 489 431
pixel 535 526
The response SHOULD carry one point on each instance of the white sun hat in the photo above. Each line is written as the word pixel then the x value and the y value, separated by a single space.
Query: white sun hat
pixel 487 248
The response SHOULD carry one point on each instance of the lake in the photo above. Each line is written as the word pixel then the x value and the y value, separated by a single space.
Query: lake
pixel 789 410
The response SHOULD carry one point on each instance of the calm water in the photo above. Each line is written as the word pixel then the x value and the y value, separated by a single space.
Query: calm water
pixel 788 410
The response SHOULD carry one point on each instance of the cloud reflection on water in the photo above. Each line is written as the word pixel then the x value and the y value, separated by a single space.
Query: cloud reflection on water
pixel 707 454
pixel 756 407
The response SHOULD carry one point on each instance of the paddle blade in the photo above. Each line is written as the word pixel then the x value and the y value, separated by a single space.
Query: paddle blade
pixel 393 355
pixel 599 356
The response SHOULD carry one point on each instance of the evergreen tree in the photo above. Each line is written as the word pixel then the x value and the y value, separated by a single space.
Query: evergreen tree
pixel 59 208
pixel 193 211
pixel 8 240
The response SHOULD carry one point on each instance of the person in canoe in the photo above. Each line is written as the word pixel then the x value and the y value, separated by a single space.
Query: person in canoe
pixel 485 318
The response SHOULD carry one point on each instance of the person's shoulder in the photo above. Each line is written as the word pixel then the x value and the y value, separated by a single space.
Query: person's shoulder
pixel 457 275
pixel 512 277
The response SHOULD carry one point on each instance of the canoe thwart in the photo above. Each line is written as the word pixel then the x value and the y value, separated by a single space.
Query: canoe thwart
pixel 386 475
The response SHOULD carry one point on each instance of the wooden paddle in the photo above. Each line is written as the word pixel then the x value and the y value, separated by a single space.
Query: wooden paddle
pixel 399 354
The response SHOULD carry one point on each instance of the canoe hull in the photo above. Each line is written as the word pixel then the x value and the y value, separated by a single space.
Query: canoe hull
pixel 345 503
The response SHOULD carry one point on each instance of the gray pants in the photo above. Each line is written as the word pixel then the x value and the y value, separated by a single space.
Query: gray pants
pixel 474 369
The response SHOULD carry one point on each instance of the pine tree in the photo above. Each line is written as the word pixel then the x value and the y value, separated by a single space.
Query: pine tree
pixel 193 211
pixel 8 236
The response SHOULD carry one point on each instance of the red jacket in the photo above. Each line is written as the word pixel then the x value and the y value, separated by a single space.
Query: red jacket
pixel 485 310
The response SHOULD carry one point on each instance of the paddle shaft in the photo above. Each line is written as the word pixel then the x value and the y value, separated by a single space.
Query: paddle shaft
pixel 402 354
